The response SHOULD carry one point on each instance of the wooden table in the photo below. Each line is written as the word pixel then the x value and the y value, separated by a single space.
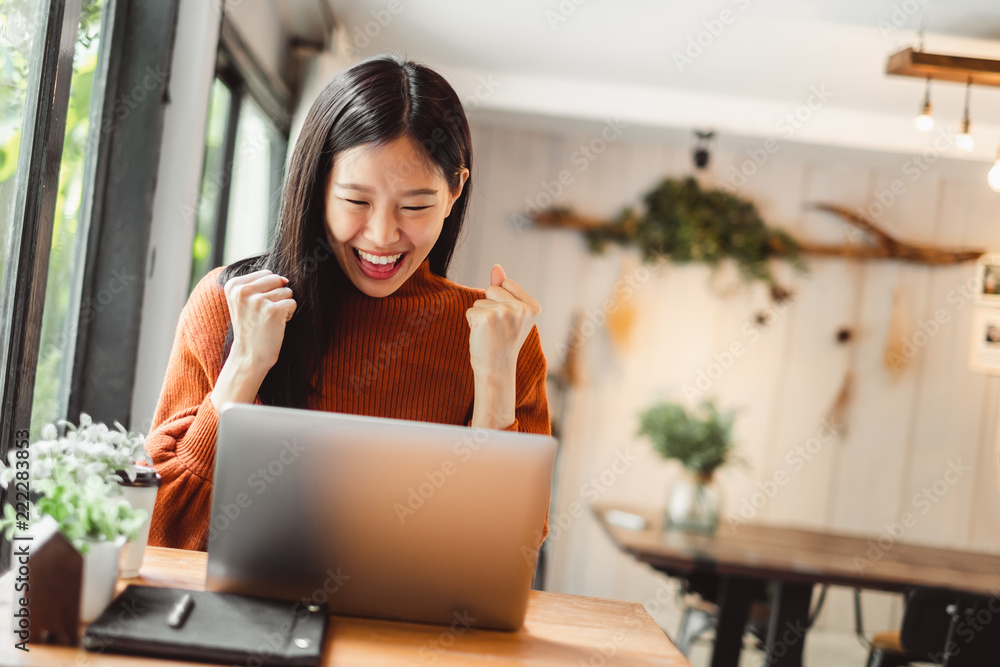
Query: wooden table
pixel 748 558
pixel 558 630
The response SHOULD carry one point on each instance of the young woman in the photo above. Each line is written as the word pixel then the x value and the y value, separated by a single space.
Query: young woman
pixel 350 310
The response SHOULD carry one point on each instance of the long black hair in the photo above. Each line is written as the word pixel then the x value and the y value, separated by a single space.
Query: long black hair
pixel 375 102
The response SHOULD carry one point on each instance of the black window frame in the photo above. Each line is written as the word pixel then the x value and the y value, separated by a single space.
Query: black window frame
pixel 26 272
pixel 115 209
pixel 127 165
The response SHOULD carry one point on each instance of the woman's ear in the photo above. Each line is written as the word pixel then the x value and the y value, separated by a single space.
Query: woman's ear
pixel 463 176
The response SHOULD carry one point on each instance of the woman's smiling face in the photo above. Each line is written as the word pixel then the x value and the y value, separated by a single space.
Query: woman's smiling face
pixel 385 207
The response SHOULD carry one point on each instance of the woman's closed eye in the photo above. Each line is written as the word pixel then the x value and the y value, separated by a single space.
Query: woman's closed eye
pixel 359 202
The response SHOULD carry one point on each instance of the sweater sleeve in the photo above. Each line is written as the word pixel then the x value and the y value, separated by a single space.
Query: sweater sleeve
pixel 532 406
pixel 182 438
pixel 531 409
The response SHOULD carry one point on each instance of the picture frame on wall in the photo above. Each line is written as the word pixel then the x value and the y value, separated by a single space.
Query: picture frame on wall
pixel 988 279
pixel 985 347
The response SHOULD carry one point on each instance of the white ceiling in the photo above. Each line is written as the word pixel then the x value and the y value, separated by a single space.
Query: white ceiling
pixel 596 58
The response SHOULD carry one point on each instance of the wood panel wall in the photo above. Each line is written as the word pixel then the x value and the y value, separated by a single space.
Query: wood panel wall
pixel 902 432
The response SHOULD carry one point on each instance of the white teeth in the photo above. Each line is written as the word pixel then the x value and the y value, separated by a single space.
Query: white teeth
pixel 379 259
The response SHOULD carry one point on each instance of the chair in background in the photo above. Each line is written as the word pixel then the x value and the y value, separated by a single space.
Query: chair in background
pixel 885 648
pixel 948 628
pixel 701 612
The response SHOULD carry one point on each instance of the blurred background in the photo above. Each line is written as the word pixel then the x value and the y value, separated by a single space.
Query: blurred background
pixel 856 384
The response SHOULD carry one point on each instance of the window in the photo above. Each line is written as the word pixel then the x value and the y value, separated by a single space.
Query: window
pixel 44 139
pixel 213 193
pixel 241 179
pixel 256 185
pixel 17 22
pixel 79 149
pixel 67 250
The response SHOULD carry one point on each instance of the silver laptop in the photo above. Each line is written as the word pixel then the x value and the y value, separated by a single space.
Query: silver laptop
pixel 378 517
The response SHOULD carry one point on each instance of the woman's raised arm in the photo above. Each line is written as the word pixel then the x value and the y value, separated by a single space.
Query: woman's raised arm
pixel 260 305
pixel 182 438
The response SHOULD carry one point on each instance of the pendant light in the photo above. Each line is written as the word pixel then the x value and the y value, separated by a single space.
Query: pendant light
pixel 964 140
pixel 993 177
pixel 925 121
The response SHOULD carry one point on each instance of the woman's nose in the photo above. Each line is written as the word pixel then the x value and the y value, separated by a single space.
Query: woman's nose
pixel 382 229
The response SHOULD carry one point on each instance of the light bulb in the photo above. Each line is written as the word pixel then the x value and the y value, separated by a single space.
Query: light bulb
pixel 993 178
pixel 925 122
pixel 964 140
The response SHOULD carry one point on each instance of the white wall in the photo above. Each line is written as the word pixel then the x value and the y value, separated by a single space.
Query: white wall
pixel 902 431
pixel 178 185
pixel 177 189
pixel 259 24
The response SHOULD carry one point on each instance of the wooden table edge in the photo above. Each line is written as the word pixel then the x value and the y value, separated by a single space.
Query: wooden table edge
pixel 188 572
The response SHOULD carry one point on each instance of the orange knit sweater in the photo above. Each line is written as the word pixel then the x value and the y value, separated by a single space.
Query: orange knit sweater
pixel 404 356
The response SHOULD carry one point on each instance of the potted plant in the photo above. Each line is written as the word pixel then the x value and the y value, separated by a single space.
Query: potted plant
pixel 118 451
pixel 78 480
pixel 701 440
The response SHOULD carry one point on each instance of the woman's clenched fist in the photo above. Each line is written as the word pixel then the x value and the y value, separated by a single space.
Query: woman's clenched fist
pixel 260 305
pixel 499 324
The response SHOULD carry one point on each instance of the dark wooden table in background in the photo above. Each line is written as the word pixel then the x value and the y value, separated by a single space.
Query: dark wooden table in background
pixel 750 557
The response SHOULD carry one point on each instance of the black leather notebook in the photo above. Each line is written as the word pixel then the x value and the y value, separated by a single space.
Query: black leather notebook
pixel 211 627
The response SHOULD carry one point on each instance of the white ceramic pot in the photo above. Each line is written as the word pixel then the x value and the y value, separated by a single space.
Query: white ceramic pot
pixel 141 494
pixel 100 570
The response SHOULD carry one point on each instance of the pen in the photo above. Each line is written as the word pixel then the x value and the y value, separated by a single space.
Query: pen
pixel 180 611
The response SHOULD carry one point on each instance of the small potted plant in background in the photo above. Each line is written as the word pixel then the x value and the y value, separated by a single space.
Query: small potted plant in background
pixel 80 480
pixel 701 440
pixel 118 451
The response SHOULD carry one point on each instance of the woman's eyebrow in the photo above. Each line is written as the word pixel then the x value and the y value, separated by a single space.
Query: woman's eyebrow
pixel 366 189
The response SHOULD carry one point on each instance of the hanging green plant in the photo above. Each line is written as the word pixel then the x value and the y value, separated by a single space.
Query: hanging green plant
pixel 685 223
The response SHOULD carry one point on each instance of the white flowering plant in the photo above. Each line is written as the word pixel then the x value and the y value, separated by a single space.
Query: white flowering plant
pixel 75 480
pixel 88 449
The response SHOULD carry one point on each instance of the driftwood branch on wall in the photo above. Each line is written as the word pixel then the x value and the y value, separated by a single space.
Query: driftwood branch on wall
pixel 880 244
pixel 886 245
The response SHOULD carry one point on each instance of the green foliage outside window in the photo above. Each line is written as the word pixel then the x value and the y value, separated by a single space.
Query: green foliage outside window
pixel 15 62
